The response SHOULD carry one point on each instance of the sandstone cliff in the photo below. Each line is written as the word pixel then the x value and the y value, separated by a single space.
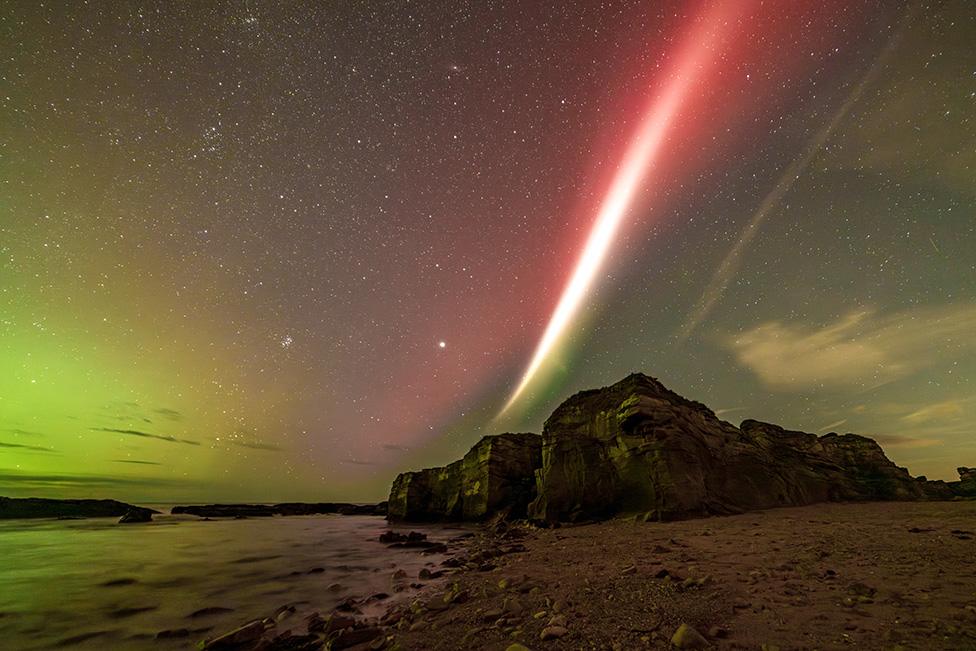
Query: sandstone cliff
pixel 637 447
pixel 497 474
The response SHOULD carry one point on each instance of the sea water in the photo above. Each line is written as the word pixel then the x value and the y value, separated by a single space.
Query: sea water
pixel 98 584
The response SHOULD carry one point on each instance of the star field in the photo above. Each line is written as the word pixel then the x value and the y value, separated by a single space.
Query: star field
pixel 254 251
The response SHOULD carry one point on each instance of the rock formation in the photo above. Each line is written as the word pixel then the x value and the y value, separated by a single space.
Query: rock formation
pixel 497 474
pixel 966 486
pixel 638 447
pixel 35 507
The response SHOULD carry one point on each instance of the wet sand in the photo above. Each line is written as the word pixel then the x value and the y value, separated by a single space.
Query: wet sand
pixel 831 576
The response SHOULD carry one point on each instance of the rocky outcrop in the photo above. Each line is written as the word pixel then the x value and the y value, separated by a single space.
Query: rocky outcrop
pixel 35 507
pixel 966 486
pixel 285 508
pixel 497 474
pixel 637 447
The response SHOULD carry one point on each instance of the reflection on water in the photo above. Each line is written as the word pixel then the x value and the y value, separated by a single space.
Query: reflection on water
pixel 97 584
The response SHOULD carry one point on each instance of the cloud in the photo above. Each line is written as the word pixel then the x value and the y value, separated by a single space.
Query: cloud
pixel 940 411
pixel 147 435
pixel 35 448
pixel 136 461
pixel 257 446
pixel 899 440
pixel 392 447
pixel 246 437
pixel 169 414
pixel 16 480
pixel 831 426
pixel 862 349
pixel 22 432
pixel 731 410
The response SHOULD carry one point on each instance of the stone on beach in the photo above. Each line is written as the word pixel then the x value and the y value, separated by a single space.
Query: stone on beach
pixel 686 637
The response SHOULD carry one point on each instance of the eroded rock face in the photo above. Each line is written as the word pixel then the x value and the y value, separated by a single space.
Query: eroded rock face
pixel 497 474
pixel 638 447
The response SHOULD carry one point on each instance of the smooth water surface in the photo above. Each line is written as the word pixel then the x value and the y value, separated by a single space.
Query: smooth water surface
pixel 97 584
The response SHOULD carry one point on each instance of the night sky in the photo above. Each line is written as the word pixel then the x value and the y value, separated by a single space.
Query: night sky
pixel 263 251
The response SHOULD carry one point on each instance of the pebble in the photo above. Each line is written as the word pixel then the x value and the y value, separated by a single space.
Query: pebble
pixel 557 620
pixel 687 637
pixel 493 614
pixel 552 633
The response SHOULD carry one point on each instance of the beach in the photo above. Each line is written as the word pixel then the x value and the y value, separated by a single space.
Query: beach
pixel 829 576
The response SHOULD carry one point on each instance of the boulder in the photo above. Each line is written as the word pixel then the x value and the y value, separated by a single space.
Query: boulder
pixel 687 637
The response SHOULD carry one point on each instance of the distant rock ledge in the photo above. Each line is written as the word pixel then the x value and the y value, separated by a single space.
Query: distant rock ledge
pixel 636 447
pixel 285 508
pixel 36 507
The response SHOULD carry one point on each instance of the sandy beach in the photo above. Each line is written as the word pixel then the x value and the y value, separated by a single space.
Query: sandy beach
pixel 829 576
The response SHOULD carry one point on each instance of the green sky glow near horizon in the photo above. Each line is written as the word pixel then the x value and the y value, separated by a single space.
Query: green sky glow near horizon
pixel 233 238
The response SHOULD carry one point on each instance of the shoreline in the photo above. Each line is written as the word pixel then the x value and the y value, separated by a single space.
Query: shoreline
pixel 874 575
pixel 360 621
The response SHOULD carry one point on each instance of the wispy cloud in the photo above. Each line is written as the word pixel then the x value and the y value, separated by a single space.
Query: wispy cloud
pixel 832 425
pixel 902 441
pixel 146 435
pixel 946 410
pixel 169 414
pixel 257 445
pixel 34 448
pixel 22 432
pixel 862 349
pixel 731 410
pixel 392 447
pixel 358 462
pixel 729 266
pixel 10 479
